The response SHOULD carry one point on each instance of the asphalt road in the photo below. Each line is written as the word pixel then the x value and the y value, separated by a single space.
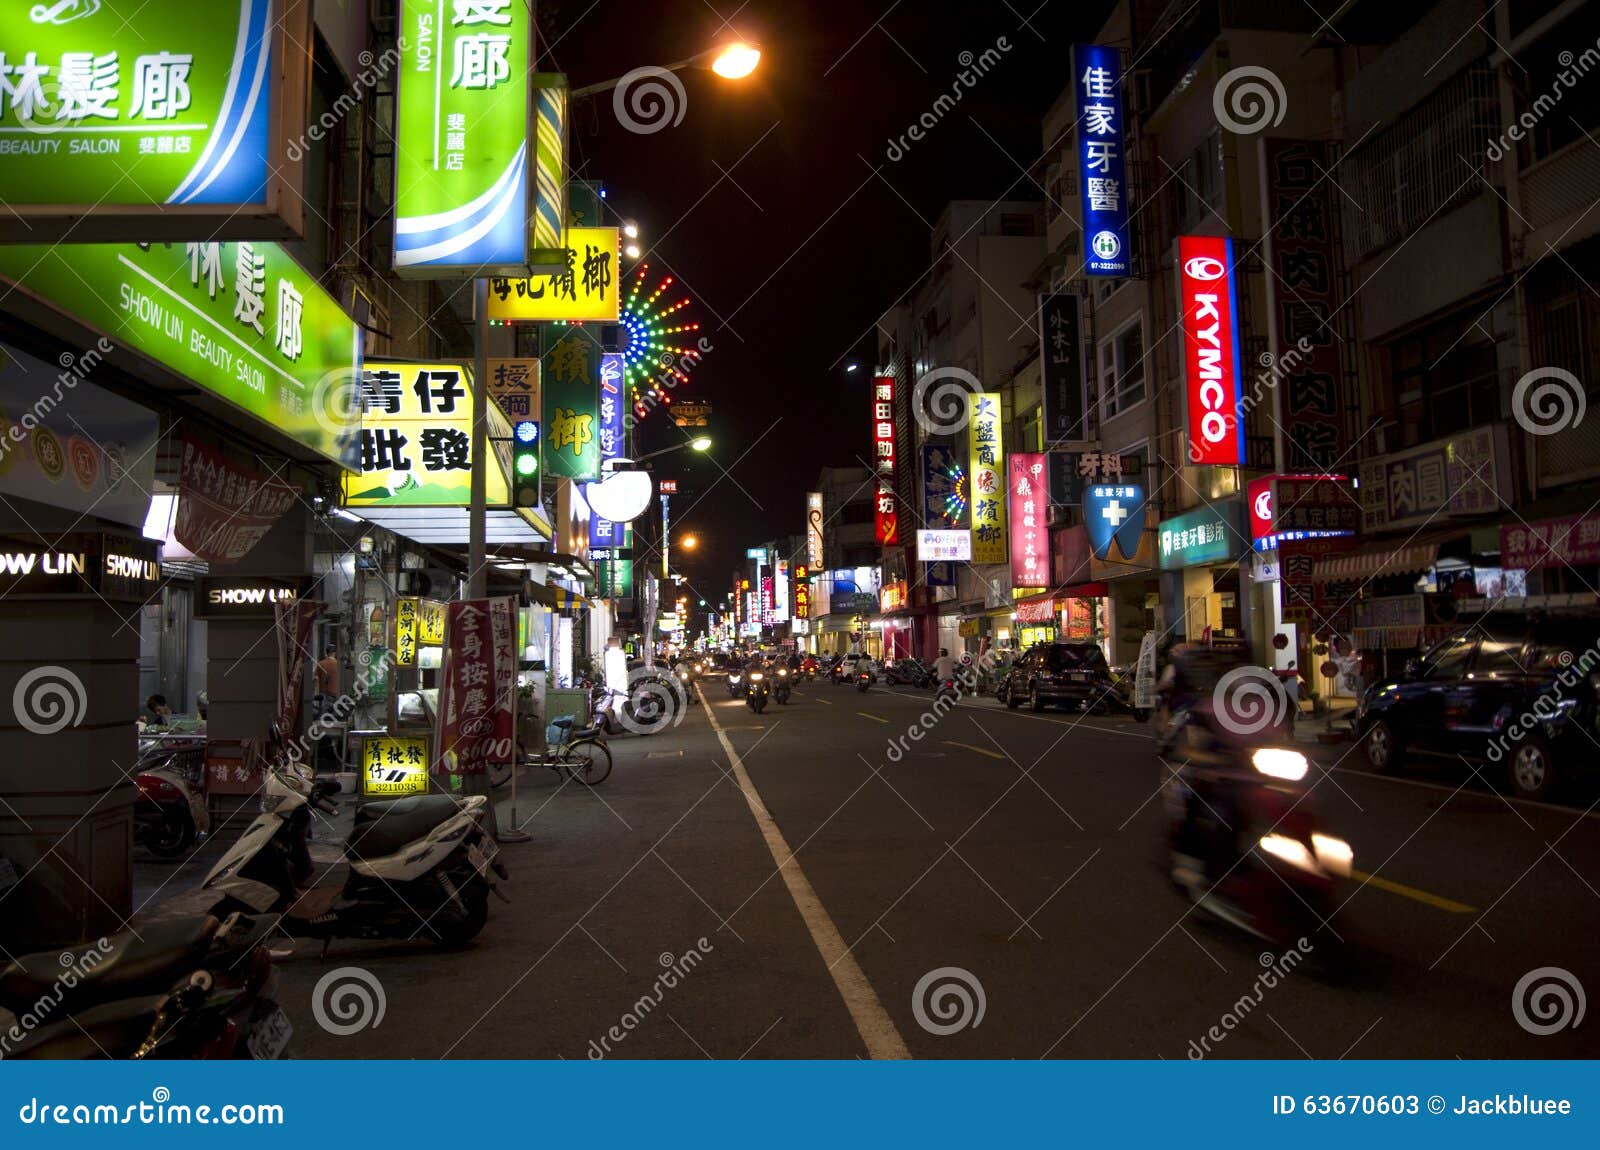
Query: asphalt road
pixel 651 920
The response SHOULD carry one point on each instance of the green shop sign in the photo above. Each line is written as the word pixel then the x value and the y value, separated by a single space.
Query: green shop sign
pixel 1212 534
pixel 169 118
pixel 570 375
pixel 463 192
pixel 242 320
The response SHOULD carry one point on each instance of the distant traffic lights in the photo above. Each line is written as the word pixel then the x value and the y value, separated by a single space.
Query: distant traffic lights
pixel 525 463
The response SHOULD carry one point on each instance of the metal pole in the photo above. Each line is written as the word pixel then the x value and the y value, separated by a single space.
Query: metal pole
pixel 478 515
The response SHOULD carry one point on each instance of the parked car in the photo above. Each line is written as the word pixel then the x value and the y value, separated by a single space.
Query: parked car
pixel 1073 674
pixel 1517 692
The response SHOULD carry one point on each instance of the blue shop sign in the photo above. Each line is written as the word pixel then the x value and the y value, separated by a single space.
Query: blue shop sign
pixel 1097 79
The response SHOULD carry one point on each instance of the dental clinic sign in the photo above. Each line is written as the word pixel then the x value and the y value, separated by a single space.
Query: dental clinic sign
pixel 462 190
pixel 1208 305
pixel 164 120
pixel 1097 78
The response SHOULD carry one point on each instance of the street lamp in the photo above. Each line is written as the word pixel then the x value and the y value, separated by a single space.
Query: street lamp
pixel 689 542
pixel 731 61
pixel 699 443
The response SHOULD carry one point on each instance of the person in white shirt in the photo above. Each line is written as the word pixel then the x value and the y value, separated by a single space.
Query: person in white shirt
pixel 944 667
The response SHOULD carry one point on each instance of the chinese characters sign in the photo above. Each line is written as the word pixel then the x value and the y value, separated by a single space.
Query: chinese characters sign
pixel 885 507
pixel 1061 352
pixel 478 688
pixel 1113 511
pixel 814 538
pixel 1294 507
pixel 392 768
pixel 1208 305
pixel 583 287
pixel 1071 470
pixel 462 187
pixel 416 439
pixel 802 592
pixel 1207 535
pixel 514 387
pixel 1030 531
pixel 571 407
pixel 603 532
pixel 987 472
pixel 1300 252
pixel 243 321
pixel 118 103
pixel 944 545
pixel 224 508
pixel 1454 476
pixel 1574 540
pixel 1097 78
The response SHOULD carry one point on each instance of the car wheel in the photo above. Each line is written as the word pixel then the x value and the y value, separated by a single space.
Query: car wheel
pixel 1532 769
pixel 1384 751
pixel 1034 702
pixel 1010 700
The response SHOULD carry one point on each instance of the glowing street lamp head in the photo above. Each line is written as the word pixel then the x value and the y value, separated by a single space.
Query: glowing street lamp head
pixel 689 542
pixel 736 61
pixel 700 443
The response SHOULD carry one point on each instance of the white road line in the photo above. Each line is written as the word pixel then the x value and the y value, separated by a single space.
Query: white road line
pixel 872 1021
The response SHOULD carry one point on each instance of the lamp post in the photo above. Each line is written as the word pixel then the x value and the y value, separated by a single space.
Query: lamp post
pixel 731 61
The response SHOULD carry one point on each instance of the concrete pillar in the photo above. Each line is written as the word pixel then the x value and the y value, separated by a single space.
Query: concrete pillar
pixel 66 795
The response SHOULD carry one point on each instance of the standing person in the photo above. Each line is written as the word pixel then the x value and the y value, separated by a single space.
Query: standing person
pixel 1291 683
pixel 327 672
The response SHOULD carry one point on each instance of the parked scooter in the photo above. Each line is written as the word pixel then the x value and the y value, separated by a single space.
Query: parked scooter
pixel 420 867
pixel 782 684
pixel 1244 839
pixel 183 988
pixel 170 815
pixel 755 696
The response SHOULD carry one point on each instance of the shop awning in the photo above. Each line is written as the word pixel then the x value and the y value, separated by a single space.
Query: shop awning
pixel 556 598
pixel 1396 558
pixel 448 526
pixel 1084 591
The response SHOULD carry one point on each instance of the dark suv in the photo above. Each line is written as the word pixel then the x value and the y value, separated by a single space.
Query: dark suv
pixel 1519 693
pixel 1072 673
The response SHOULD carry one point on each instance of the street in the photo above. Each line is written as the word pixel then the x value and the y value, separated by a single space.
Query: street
pixel 1022 849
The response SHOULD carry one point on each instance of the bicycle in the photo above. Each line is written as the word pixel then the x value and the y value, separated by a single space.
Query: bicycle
pixel 581 755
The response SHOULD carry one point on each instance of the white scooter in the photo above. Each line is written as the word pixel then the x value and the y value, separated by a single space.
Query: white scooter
pixel 420 867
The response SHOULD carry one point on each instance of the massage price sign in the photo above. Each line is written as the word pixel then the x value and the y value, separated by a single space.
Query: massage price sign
pixel 463 192
pixel 123 116
pixel 243 321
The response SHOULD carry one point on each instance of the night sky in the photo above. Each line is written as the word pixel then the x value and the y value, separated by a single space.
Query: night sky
pixel 795 253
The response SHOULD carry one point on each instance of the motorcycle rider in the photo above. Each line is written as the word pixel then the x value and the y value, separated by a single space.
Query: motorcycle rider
pixel 944 667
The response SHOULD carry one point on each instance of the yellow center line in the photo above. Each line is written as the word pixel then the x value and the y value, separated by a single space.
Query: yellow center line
pixel 1411 892
pixel 870 715
pixel 974 750
pixel 820 699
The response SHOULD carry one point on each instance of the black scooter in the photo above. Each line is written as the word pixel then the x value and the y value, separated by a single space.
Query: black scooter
pixel 781 684
pixel 755 696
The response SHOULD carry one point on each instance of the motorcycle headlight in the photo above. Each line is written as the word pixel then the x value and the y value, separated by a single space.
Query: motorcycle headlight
pixel 1291 851
pixel 756 676
pixel 1280 763
pixel 783 674
pixel 684 675
pixel 1333 853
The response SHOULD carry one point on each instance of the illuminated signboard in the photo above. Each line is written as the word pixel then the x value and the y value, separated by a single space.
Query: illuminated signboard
pixel 893 596
pixel 243 321
pixel 570 377
pixel 1210 534
pixel 81 563
pixel 173 119
pixel 392 768
pixel 463 194
pixel 988 497
pixel 1208 305
pixel 1295 507
pixel 1027 491
pixel 416 439
pixel 1113 511
pixel 885 512
pixel 943 545
pixel 814 529
pixel 235 596
pixel 603 532
pixel 1097 79
pixel 584 287
pixel 802 593
pixel 514 387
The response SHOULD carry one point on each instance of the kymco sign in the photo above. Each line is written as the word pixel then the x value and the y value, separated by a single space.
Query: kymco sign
pixel 1211 348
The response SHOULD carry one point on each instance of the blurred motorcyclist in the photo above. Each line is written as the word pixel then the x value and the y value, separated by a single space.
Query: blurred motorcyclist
pixel 944 667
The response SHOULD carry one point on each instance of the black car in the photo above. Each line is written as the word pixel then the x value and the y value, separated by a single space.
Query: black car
pixel 1518 693
pixel 1060 673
